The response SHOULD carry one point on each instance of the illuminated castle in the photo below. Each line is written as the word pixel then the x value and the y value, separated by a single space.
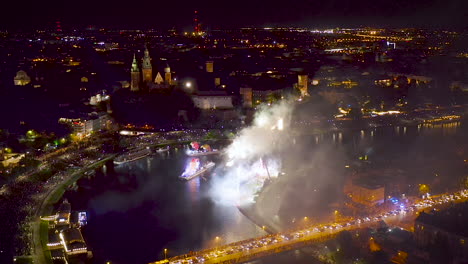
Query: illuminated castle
pixel 146 75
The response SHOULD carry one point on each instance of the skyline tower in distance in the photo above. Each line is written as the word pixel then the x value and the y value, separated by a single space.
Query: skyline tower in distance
pixel 196 22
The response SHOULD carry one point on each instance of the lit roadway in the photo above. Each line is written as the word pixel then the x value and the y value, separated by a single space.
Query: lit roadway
pixel 247 250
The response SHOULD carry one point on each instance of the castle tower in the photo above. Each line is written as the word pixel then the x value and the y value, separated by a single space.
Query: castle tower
pixel 135 75
pixel 167 75
pixel 146 67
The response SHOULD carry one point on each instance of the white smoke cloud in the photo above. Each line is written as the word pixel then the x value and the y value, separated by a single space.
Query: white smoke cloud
pixel 252 157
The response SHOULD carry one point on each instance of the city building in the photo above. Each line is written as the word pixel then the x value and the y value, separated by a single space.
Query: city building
pixel 212 100
pixel 447 227
pixel 209 66
pixel 247 96
pixel 135 75
pixel 147 69
pixel 62 216
pixel 98 98
pixel 74 242
pixel 65 240
pixel 84 126
pixel 365 192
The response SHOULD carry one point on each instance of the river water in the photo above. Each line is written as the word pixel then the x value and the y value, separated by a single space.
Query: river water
pixel 138 209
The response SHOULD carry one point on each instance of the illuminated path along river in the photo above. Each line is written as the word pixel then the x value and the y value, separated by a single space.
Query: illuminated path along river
pixel 138 209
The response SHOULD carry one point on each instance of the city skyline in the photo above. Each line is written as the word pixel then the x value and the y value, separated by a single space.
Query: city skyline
pixel 150 133
pixel 213 14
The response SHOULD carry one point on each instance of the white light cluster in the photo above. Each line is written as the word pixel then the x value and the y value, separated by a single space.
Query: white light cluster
pixel 252 156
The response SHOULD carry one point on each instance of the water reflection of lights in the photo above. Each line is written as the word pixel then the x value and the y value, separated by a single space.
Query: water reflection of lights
pixel 444 128
pixel 194 188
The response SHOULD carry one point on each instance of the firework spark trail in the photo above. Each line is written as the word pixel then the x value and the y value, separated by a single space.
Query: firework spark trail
pixel 246 157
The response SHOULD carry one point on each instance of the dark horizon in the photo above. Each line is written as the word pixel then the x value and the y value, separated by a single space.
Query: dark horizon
pixel 213 14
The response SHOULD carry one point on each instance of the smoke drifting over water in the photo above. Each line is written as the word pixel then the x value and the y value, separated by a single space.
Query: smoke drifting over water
pixel 252 157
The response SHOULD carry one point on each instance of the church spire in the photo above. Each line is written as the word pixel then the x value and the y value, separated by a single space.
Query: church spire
pixel 135 64
pixel 146 67
pixel 135 75
pixel 146 59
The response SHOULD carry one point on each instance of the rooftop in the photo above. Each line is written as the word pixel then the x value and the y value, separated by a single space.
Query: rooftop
pixel 64 207
pixel 452 220
pixel 368 183
pixel 73 235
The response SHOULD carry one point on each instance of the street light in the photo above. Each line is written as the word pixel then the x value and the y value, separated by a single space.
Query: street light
pixel 216 242
pixel 165 253
pixel 337 215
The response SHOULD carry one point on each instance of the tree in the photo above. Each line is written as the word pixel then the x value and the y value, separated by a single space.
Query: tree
pixel 273 97
pixel 423 189
pixel 28 161
pixel 345 243
pixel 379 257
pixel 212 135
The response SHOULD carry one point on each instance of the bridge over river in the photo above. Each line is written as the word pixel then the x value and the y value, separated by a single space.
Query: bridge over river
pixel 247 250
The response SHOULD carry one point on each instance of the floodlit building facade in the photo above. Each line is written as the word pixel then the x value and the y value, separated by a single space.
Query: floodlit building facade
pixel 212 100
pixel 366 193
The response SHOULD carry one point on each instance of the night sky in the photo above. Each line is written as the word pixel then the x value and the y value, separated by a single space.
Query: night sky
pixel 226 14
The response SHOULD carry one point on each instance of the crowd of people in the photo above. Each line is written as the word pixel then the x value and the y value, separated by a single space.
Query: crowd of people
pixel 21 198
